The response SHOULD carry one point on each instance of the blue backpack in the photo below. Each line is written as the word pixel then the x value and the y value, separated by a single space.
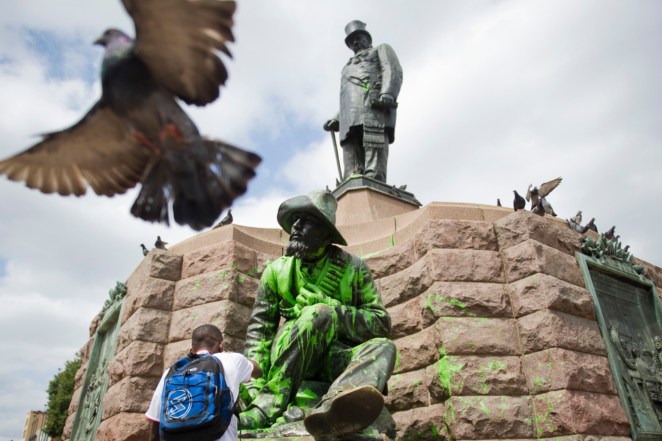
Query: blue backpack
pixel 197 403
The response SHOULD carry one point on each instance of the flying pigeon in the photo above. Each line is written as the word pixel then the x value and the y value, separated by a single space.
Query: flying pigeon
pixel 160 244
pixel 534 194
pixel 227 220
pixel 144 248
pixel 136 132
pixel 518 203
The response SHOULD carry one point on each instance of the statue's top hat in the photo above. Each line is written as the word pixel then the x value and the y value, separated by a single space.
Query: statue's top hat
pixel 355 27
pixel 320 204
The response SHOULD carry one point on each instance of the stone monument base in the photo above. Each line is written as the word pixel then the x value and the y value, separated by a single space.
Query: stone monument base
pixel 495 329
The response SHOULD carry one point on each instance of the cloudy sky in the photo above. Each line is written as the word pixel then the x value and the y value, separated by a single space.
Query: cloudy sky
pixel 496 95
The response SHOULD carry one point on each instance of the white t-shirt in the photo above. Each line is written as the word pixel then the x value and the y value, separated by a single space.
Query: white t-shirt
pixel 237 370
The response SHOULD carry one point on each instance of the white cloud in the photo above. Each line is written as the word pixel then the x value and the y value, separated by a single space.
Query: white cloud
pixel 495 96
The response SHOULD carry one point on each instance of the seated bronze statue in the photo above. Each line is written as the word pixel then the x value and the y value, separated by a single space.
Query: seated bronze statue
pixel 335 329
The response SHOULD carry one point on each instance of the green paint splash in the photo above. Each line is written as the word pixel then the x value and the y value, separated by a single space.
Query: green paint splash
pixel 432 301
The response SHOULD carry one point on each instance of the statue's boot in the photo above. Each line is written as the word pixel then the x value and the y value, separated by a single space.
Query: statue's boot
pixel 348 412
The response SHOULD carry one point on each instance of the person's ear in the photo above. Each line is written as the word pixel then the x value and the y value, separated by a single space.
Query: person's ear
pixel 220 347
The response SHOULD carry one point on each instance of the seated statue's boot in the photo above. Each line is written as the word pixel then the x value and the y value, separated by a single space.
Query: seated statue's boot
pixel 252 419
pixel 348 412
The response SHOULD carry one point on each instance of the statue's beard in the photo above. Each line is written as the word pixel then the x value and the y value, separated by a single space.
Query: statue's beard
pixel 309 250
pixel 298 249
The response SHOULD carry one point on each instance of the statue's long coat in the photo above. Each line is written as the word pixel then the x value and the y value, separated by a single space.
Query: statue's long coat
pixel 367 75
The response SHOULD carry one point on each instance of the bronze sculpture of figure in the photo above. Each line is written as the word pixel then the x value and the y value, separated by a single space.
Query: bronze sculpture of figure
pixel 318 316
pixel 369 87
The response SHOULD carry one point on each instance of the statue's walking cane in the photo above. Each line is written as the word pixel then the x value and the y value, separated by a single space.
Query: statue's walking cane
pixel 335 149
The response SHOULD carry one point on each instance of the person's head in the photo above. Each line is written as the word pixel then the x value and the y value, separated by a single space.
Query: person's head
pixel 207 337
pixel 310 222
pixel 357 38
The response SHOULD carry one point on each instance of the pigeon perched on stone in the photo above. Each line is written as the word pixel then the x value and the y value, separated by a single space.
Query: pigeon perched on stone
pixel 518 203
pixel 590 225
pixel 609 234
pixel 546 207
pixel 575 222
pixel 534 194
pixel 227 220
pixel 538 209
pixel 161 245
pixel 498 202
pixel 137 132
pixel 144 248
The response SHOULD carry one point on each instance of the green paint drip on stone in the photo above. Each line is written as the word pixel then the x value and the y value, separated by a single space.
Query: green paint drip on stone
pixel 433 298
pixel 484 408
pixel 436 435
pixel 496 365
pixel 474 403
pixel 543 417
pixel 448 372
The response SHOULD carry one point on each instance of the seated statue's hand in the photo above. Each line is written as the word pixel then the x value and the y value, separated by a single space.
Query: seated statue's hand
pixel 311 295
pixel 331 125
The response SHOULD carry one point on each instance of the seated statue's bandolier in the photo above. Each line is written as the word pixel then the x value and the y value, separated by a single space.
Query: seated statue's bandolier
pixel 343 342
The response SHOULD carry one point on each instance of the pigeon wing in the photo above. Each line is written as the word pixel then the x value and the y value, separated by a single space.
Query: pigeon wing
pixel 98 150
pixel 178 40
pixel 547 187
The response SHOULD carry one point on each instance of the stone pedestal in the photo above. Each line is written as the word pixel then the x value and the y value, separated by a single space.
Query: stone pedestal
pixel 362 199
pixel 496 332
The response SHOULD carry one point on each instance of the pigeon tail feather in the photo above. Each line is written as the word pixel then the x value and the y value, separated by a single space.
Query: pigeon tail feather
pixel 201 179
pixel 217 184
pixel 152 201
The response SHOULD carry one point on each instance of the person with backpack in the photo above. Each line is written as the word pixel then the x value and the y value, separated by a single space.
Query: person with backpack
pixel 196 397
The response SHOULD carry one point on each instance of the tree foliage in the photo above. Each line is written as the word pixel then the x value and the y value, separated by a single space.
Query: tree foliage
pixel 60 390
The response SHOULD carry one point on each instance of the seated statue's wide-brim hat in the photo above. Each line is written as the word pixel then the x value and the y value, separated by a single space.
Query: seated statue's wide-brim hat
pixel 355 27
pixel 321 205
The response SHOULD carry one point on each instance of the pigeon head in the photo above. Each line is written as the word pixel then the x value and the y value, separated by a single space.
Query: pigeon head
pixel 113 37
